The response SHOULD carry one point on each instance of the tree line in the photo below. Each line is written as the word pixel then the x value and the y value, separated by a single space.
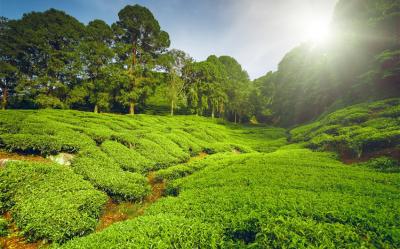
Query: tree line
pixel 51 60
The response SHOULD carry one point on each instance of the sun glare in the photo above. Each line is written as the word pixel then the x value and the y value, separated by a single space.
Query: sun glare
pixel 317 33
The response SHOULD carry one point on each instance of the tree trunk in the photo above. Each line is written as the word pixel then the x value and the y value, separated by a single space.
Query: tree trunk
pixel 4 100
pixel 133 55
pixel 96 108
pixel 235 117
pixel 212 112
pixel 172 108
pixel 132 108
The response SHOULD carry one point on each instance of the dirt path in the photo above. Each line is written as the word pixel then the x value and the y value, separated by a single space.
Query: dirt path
pixel 113 211
pixel 119 211
pixel 14 240
pixel 14 156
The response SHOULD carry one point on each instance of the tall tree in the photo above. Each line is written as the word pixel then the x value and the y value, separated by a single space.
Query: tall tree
pixel 96 55
pixel 237 88
pixel 45 43
pixel 142 40
pixel 173 63
pixel 8 69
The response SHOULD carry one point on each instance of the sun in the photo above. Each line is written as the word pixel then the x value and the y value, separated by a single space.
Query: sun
pixel 317 32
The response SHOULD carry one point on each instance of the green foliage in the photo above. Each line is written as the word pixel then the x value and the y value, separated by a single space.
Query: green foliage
pixel 104 173
pixel 358 129
pixel 160 231
pixel 384 164
pixel 288 198
pixel 49 201
pixel 182 170
pixel 3 227
pixel 127 159
pixel 112 151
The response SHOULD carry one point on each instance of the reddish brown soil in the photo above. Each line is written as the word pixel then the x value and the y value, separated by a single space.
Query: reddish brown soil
pixel 15 156
pixel 119 211
pixel 113 211
pixel 15 241
pixel 389 152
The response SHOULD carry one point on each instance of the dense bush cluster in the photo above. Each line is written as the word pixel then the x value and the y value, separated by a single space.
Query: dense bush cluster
pixel 49 201
pixel 251 191
pixel 290 198
pixel 384 164
pixel 3 227
pixel 357 129
pixel 114 152
pixel 158 231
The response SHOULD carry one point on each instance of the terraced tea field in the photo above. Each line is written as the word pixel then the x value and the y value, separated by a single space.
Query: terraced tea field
pixel 188 182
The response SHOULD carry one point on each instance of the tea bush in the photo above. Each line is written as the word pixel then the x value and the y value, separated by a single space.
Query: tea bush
pixel 291 198
pixel 104 173
pixel 112 153
pixel 128 159
pixel 159 231
pixel 3 227
pixel 357 129
pixel 49 201
pixel 384 164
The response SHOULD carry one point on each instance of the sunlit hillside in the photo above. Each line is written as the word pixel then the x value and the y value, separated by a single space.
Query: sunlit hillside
pixel 199 124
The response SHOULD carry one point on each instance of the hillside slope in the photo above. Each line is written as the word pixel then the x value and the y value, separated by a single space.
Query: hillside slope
pixel 111 153
pixel 252 190
pixel 356 131
pixel 291 198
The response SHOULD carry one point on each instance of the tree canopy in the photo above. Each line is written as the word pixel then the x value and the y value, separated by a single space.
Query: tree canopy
pixel 51 60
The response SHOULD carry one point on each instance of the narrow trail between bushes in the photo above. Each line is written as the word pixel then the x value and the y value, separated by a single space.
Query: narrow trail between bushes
pixel 119 211
pixel 112 212
pixel 7 156
pixel 14 240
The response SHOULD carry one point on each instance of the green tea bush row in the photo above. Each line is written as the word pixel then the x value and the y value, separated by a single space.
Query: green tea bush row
pixel 182 170
pixel 104 173
pixel 159 231
pixel 49 201
pixel 128 159
pixel 357 129
pixel 291 198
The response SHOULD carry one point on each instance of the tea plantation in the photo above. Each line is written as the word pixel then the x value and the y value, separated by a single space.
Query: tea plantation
pixel 252 188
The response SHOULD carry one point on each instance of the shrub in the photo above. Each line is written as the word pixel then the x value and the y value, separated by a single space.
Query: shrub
pixel 49 201
pixel 106 175
pixel 3 227
pixel 127 159
pixel 358 129
pixel 29 143
pixel 160 231
pixel 384 164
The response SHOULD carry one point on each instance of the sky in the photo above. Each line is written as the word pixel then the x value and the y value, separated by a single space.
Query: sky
pixel 257 33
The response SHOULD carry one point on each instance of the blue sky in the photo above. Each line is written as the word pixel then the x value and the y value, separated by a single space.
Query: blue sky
pixel 257 33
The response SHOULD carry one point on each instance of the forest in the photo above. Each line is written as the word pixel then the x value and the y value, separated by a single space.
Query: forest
pixel 110 138
pixel 51 60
